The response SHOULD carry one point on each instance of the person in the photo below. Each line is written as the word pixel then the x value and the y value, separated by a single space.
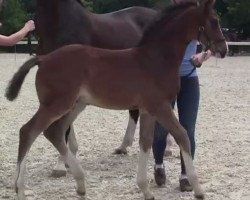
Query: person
pixel 187 103
pixel 12 39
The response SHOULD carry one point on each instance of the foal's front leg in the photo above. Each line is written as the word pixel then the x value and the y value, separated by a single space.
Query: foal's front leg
pixel 147 124
pixel 165 116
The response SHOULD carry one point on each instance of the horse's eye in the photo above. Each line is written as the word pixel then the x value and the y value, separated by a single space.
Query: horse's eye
pixel 214 23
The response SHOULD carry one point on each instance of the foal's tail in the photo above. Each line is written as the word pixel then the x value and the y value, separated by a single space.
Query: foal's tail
pixel 16 82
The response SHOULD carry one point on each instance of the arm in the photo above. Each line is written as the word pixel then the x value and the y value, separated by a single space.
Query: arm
pixel 19 35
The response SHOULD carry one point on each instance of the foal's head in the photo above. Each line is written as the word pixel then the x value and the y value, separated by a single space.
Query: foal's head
pixel 210 34
pixel 186 21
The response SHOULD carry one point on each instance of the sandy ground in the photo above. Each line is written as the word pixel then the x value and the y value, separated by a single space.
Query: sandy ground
pixel 223 142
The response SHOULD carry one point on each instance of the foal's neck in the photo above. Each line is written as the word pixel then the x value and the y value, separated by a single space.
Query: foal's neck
pixel 169 44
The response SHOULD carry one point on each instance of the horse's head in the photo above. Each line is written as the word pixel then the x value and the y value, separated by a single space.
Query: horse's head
pixel 210 34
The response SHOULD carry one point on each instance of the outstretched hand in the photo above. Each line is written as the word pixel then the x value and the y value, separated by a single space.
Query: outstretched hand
pixel 29 25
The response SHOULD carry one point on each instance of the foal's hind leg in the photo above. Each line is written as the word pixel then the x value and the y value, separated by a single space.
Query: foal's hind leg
pixel 70 138
pixel 55 134
pixel 166 117
pixel 28 133
pixel 147 124
pixel 72 142
pixel 130 132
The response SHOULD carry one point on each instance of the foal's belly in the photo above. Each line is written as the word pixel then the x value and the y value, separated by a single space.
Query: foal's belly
pixel 117 101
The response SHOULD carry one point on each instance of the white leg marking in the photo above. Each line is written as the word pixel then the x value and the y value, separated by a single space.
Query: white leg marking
pixel 129 136
pixel 77 171
pixel 142 174
pixel 191 174
pixel 72 143
pixel 19 179
pixel 60 169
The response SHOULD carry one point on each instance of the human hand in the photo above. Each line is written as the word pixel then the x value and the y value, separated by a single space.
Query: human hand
pixel 199 58
pixel 29 25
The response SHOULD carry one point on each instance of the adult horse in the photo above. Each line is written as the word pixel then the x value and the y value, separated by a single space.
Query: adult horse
pixel 65 22
pixel 153 64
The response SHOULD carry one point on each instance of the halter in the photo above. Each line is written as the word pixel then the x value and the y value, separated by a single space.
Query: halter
pixel 209 42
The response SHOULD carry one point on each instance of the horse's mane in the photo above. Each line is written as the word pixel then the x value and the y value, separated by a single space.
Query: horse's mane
pixel 81 3
pixel 163 18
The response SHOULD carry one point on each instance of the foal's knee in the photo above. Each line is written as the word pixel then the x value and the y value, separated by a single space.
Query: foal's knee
pixel 183 141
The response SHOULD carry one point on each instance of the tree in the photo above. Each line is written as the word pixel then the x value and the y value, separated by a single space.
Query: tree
pixel 29 5
pixel 235 14
pixel 12 17
pixel 238 16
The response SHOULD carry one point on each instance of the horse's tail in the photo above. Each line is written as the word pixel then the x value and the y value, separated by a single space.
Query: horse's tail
pixel 16 82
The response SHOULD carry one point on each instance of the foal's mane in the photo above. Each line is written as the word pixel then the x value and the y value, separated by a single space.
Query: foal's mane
pixel 163 18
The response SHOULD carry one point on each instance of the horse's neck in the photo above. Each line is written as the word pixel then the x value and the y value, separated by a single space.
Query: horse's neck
pixel 53 18
pixel 168 45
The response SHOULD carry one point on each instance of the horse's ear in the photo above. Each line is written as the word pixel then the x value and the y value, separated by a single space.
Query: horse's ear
pixel 205 5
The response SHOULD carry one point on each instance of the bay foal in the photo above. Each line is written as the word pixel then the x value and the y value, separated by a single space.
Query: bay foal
pixel 145 78
pixel 60 23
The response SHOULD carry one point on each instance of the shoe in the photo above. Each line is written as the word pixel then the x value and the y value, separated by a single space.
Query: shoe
pixel 185 186
pixel 160 176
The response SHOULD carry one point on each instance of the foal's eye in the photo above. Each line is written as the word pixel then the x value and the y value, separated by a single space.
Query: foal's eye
pixel 214 23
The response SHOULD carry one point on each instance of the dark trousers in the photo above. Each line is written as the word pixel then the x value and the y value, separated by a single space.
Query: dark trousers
pixel 187 104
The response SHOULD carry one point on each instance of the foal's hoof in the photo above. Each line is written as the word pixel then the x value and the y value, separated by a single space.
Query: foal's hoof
pixel 120 151
pixel 199 196
pixel 58 173
pixel 152 198
pixel 80 192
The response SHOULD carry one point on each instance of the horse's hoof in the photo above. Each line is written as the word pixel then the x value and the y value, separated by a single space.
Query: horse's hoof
pixel 152 198
pixel 58 173
pixel 199 196
pixel 21 196
pixel 120 151
pixel 80 192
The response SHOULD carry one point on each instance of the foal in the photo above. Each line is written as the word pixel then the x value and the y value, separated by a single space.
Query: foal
pixel 116 79
pixel 60 23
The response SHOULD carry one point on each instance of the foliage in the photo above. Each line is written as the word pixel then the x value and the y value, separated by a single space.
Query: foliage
pixel 88 4
pixel 12 16
pixel 29 5
pixel 238 15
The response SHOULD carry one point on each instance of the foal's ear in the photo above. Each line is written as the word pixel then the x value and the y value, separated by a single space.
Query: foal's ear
pixel 206 5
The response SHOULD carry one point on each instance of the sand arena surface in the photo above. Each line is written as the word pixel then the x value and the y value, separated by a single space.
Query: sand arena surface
pixel 223 142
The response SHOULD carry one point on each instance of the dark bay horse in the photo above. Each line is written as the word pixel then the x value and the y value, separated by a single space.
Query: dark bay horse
pixel 65 22
pixel 64 91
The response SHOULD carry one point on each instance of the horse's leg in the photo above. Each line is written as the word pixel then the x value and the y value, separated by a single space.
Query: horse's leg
pixel 168 151
pixel 166 117
pixel 70 138
pixel 55 134
pixel 28 133
pixel 146 132
pixel 72 142
pixel 130 132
